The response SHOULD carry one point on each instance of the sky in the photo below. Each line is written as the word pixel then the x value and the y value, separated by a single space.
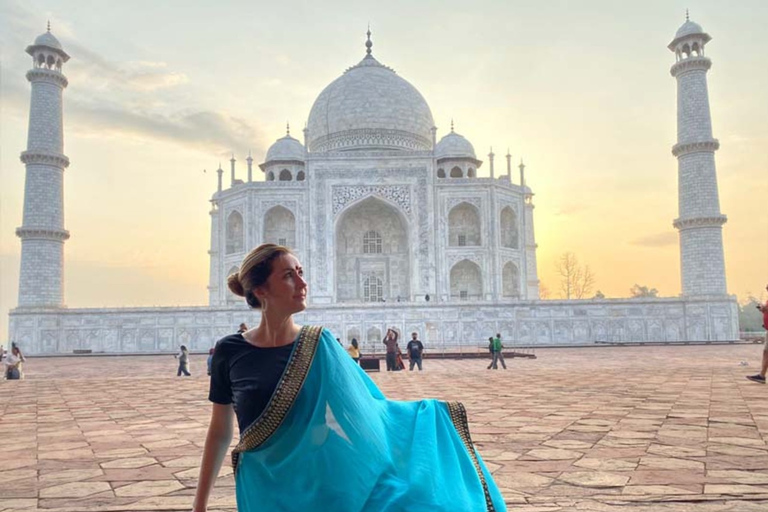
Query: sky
pixel 580 90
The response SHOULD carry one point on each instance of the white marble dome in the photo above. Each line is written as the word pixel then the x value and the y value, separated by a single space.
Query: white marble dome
pixel 370 107
pixel 49 40
pixel 286 149
pixel 454 145
pixel 688 28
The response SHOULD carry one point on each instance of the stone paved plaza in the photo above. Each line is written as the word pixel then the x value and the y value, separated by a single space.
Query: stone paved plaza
pixel 674 428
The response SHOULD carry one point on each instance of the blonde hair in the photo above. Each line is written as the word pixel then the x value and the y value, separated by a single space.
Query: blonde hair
pixel 254 271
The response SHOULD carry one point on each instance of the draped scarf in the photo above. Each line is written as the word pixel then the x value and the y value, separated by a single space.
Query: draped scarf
pixel 329 440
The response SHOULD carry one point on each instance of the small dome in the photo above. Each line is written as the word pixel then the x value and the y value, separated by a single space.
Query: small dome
pixel 49 40
pixel 454 145
pixel 286 149
pixel 688 28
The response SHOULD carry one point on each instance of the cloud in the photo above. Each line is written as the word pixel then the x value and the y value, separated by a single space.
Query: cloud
pixel 216 130
pixel 91 68
pixel 663 239
pixel 112 98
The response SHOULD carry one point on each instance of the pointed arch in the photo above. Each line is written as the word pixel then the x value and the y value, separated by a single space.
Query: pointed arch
pixel 510 281
pixel 471 172
pixel 464 225
pixel 441 173
pixel 235 234
pixel 456 172
pixel 371 241
pixel 466 281
pixel 509 232
pixel 285 175
pixel 280 227
pixel 231 297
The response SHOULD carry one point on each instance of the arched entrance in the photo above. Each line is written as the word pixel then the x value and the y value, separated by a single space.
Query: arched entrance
pixel 372 253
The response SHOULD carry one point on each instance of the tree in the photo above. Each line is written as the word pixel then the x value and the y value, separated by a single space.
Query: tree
pixel 576 282
pixel 639 292
pixel 750 318
pixel 599 295
pixel 543 292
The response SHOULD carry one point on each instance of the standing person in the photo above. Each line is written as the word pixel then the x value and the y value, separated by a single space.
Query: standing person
pixel 354 351
pixel 183 357
pixel 497 353
pixel 490 349
pixel 415 350
pixel 308 414
pixel 242 328
pixel 760 377
pixel 390 340
pixel 14 363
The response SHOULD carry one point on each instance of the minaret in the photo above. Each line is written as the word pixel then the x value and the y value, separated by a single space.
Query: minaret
pixel 220 173
pixel 700 221
pixel 232 168
pixel 249 161
pixel 490 161
pixel 509 165
pixel 42 233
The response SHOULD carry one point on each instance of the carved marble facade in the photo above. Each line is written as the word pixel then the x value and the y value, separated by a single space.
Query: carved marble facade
pixel 441 326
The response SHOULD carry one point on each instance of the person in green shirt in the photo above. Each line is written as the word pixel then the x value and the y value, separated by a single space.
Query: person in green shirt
pixel 497 354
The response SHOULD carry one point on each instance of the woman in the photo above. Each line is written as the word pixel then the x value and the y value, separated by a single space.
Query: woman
pixel 316 434
pixel 354 351
pixel 13 364
pixel 183 357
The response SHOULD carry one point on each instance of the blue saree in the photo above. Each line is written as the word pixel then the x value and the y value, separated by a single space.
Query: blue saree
pixel 329 440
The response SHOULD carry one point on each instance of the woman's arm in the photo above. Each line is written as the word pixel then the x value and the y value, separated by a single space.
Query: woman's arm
pixel 216 444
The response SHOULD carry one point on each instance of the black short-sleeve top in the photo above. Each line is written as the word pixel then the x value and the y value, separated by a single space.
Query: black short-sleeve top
pixel 246 376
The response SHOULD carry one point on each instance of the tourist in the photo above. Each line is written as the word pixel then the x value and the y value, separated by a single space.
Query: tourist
pixel 338 340
pixel 354 350
pixel 498 356
pixel 307 414
pixel 183 357
pixel 390 340
pixel 13 363
pixel 415 350
pixel 490 349
pixel 760 377
pixel 210 360
pixel 242 328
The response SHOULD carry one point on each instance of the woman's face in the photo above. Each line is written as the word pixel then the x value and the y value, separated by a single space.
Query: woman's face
pixel 286 289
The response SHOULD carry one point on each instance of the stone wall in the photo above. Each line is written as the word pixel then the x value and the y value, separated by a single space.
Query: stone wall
pixel 531 323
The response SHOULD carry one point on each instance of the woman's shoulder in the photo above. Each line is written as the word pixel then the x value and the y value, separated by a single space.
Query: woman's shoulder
pixel 230 341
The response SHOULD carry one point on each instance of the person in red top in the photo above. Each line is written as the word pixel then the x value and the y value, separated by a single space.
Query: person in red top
pixel 760 377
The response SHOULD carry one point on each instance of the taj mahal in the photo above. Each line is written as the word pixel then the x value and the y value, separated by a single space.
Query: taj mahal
pixel 392 223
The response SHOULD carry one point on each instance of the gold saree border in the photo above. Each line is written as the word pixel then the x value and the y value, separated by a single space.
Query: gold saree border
pixel 285 394
pixel 459 418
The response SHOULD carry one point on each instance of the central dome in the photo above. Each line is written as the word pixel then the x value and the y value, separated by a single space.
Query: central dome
pixel 369 107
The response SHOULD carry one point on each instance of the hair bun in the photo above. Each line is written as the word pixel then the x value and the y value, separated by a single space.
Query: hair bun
pixel 234 285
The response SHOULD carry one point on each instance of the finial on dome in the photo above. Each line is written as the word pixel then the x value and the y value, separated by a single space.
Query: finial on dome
pixel 287 128
pixel 49 25
pixel 368 43
pixel 451 125
pixel 686 16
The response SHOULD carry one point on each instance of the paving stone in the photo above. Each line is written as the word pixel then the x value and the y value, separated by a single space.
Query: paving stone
pixel 683 432
pixel 594 479
pixel 74 489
